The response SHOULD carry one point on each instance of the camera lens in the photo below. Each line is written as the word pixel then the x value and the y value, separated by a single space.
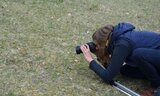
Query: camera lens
pixel 91 45
pixel 78 50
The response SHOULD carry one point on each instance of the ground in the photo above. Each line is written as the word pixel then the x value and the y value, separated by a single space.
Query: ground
pixel 38 39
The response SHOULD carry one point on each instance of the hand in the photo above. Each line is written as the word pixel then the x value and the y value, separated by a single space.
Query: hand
pixel 86 52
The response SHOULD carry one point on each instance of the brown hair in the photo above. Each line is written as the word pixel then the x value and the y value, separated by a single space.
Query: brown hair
pixel 100 37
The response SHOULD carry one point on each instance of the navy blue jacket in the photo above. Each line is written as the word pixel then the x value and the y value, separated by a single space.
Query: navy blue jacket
pixel 124 41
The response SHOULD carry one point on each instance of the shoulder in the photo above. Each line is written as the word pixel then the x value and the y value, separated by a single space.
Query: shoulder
pixel 123 42
pixel 120 42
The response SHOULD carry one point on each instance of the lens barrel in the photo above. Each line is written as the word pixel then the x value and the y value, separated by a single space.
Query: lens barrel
pixel 91 45
pixel 78 50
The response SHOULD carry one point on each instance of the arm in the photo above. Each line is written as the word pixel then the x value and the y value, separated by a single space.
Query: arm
pixel 121 51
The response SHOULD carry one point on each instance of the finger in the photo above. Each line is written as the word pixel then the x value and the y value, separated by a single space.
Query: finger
pixel 83 48
pixel 86 45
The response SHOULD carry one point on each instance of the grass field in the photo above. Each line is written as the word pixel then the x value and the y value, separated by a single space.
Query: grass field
pixel 38 39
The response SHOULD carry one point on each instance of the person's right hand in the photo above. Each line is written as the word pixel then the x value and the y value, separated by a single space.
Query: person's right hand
pixel 86 52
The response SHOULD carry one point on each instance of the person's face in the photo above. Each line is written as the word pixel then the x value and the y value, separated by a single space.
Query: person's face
pixel 100 47
pixel 97 46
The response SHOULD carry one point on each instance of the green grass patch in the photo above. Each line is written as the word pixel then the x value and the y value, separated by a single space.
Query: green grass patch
pixel 38 39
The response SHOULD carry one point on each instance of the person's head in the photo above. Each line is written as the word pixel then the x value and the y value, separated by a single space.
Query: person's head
pixel 101 38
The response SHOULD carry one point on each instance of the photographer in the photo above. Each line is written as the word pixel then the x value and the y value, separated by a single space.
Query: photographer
pixel 140 50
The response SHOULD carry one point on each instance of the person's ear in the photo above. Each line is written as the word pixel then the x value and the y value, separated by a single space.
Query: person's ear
pixel 97 47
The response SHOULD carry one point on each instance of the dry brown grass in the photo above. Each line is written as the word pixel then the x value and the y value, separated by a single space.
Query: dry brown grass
pixel 38 38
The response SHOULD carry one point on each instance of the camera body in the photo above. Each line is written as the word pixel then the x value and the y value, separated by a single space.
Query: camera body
pixel 91 45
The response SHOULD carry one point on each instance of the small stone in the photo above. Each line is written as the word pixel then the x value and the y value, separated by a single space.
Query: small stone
pixel 76 60
pixel 52 17
pixel 69 14
pixel 127 13
pixel 58 19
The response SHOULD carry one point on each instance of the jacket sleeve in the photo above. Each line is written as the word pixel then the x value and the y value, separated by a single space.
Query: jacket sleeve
pixel 120 52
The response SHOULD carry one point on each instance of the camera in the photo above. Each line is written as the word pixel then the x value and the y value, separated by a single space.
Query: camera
pixel 91 45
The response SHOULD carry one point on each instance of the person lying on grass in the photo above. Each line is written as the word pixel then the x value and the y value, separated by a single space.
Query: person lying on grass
pixel 140 50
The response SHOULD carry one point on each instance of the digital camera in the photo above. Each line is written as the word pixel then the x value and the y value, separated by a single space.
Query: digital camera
pixel 91 45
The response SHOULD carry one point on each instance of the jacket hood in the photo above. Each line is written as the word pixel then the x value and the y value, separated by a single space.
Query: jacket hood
pixel 118 30
pixel 122 28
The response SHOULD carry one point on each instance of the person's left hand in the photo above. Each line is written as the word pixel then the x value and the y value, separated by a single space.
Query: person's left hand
pixel 86 52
